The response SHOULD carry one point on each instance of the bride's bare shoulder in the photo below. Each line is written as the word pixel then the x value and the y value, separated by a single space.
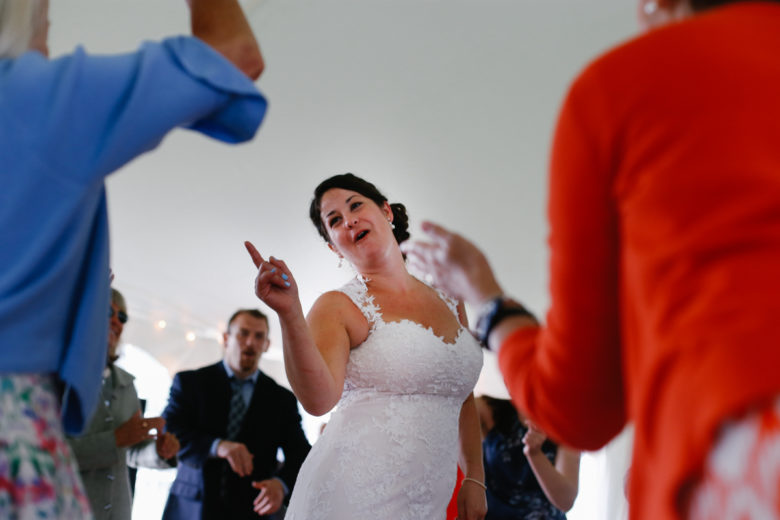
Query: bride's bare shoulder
pixel 335 300
pixel 335 305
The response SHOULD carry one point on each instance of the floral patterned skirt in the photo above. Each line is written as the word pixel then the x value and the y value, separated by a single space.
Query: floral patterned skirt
pixel 39 477
pixel 742 473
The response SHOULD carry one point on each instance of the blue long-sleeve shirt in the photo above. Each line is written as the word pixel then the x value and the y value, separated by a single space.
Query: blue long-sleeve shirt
pixel 65 124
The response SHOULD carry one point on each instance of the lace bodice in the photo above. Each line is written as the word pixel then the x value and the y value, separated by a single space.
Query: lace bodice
pixel 419 362
pixel 390 449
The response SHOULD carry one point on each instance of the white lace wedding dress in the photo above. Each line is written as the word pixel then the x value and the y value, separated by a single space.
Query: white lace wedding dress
pixel 390 449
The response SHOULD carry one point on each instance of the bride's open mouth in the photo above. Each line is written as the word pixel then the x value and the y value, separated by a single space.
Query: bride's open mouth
pixel 360 236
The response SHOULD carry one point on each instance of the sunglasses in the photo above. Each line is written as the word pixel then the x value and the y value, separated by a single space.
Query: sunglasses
pixel 120 315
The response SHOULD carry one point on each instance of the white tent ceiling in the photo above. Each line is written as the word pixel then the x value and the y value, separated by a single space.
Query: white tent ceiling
pixel 447 105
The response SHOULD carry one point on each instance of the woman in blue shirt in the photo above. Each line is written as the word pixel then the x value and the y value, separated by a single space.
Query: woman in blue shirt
pixel 65 124
pixel 527 475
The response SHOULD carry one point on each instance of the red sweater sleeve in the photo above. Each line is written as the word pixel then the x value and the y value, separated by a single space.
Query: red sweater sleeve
pixel 567 376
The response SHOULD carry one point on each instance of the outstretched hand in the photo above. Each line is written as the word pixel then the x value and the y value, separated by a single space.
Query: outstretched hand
pixel 274 284
pixel 137 429
pixel 533 439
pixel 270 498
pixel 167 445
pixel 237 455
pixel 456 265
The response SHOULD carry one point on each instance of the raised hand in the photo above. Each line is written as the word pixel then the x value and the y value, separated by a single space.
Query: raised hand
pixel 456 265
pixel 270 498
pixel 137 429
pixel 533 439
pixel 274 283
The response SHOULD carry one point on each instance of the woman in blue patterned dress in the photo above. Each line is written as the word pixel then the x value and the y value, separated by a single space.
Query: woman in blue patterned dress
pixel 528 476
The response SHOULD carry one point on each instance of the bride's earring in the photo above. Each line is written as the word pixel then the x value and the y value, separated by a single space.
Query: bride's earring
pixel 650 7
pixel 392 226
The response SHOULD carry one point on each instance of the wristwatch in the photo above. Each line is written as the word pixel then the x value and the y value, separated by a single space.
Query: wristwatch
pixel 493 312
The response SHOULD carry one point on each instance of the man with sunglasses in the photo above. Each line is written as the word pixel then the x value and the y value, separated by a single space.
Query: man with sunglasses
pixel 117 434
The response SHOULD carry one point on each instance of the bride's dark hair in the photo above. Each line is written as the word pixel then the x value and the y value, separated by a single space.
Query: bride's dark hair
pixel 348 181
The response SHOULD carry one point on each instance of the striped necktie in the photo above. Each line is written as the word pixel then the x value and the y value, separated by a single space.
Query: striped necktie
pixel 237 409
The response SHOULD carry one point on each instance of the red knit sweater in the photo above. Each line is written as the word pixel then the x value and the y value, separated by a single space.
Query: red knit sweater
pixel 665 250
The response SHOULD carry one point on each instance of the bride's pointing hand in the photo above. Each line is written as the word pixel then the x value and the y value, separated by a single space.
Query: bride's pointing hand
pixel 274 284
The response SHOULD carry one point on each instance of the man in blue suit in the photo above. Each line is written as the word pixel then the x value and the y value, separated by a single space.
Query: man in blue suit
pixel 231 419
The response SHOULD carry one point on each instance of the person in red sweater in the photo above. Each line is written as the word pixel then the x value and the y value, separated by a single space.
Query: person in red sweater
pixel 665 264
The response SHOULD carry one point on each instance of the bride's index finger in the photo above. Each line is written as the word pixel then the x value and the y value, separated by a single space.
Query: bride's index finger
pixel 257 258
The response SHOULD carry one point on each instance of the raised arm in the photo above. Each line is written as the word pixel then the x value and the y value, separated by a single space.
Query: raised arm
pixel 568 373
pixel 222 25
pixel 315 350
pixel 559 482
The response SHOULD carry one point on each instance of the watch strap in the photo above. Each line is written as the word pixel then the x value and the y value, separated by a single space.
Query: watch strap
pixel 495 311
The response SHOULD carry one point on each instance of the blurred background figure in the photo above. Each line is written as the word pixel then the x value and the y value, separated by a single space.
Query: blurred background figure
pixel 664 254
pixel 65 124
pixel 232 420
pixel 118 435
pixel 527 475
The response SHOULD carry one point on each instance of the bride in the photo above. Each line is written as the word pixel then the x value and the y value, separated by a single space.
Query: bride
pixel 396 357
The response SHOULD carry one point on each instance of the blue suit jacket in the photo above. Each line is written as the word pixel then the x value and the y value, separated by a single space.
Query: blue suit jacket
pixel 197 413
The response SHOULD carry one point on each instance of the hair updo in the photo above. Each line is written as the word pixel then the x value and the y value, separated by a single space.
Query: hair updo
pixel 348 181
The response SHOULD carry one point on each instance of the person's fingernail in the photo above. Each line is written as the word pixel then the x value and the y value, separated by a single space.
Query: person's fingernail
pixel 285 277
pixel 273 270
pixel 287 284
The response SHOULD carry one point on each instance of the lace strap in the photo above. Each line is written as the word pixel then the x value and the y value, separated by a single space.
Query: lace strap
pixel 452 303
pixel 357 291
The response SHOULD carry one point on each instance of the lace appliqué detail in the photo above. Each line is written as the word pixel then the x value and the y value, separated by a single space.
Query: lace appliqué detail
pixel 452 303
pixel 390 449
pixel 358 293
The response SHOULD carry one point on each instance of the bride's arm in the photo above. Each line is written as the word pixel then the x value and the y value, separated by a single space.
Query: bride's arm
pixel 472 504
pixel 315 351
pixel 471 498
